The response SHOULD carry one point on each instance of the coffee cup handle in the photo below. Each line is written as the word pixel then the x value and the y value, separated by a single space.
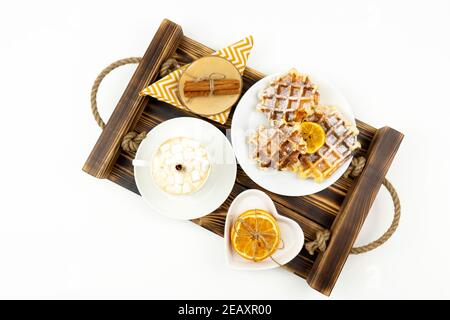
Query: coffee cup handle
pixel 141 163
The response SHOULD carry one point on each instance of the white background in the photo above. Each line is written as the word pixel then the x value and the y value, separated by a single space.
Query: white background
pixel 65 234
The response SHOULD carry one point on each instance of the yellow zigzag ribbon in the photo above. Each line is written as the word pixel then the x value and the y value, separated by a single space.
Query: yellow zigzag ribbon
pixel 166 89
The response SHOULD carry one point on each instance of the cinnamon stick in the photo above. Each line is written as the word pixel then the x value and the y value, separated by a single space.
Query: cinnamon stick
pixel 193 94
pixel 203 88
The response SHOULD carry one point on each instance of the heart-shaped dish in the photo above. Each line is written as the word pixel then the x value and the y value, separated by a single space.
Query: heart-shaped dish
pixel 291 234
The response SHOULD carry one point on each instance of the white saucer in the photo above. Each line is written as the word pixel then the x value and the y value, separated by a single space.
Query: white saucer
pixel 246 119
pixel 216 188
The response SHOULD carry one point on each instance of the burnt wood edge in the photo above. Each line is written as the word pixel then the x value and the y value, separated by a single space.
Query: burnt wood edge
pixel 168 37
pixel 354 210
pixel 131 105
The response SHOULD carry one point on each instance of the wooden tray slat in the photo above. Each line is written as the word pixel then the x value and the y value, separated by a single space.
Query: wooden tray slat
pixel 130 105
pixel 341 208
pixel 354 210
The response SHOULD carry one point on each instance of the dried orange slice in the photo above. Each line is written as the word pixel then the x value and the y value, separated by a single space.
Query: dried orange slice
pixel 314 135
pixel 255 235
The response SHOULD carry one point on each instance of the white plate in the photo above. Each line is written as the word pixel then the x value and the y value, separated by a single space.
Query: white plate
pixel 246 119
pixel 216 188
pixel 290 231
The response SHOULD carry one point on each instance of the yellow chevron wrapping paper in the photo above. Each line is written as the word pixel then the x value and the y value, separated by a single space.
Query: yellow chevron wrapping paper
pixel 166 89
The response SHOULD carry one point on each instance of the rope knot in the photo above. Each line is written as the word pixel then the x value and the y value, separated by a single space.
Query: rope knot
pixel 169 66
pixel 356 167
pixel 320 243
pixel 132 140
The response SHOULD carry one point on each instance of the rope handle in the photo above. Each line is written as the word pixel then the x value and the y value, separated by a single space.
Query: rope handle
pixel 99 79
pixel 390 231
pixel 131 142
pixel 132 139
pixel 322 237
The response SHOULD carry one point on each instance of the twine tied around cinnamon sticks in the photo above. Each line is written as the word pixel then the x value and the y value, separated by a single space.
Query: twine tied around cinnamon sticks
pixel 213 84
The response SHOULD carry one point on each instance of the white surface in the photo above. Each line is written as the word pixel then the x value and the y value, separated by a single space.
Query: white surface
pixel 291 233
pixel 65 234
pixel 217 186
pixel 246 119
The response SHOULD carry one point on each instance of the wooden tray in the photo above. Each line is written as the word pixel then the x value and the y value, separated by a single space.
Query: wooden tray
pixel 342 208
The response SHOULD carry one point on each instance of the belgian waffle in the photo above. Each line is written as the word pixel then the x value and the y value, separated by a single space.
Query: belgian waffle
pixel 277 147
pixel 340 142
pixel 288 98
